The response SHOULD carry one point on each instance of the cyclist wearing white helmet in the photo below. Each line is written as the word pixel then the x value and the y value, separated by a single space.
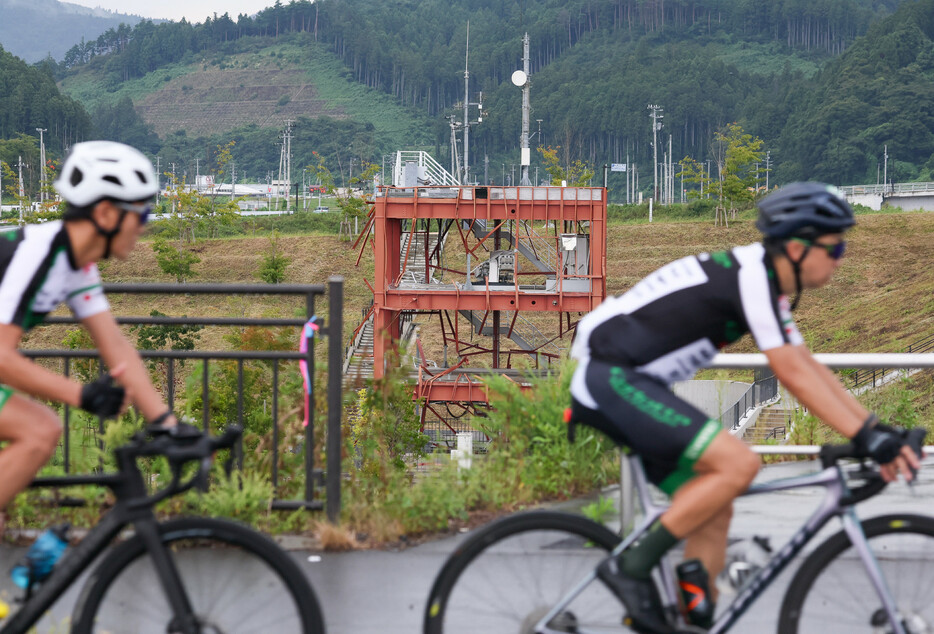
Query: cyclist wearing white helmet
pixel 108 188
pixel 633 346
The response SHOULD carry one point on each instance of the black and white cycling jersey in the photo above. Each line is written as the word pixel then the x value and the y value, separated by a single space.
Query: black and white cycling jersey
pixel 38 272
pixel 675 320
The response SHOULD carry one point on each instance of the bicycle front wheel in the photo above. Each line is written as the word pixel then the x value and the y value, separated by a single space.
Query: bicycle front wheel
pixel 831 592
pixel 237 580
pixel 509 575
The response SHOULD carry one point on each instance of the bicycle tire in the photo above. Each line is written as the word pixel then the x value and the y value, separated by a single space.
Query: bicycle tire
pixel 508 575
pixel 831 591
pixel 123 594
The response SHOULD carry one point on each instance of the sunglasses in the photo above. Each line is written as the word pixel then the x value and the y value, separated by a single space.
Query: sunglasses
pixel 835 251
pixel 141 209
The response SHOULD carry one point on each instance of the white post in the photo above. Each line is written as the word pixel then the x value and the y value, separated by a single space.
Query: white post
pixel 650 210
pixel 626 507
pixel 464 452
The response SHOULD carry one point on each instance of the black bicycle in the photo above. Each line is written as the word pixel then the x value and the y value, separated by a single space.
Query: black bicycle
pixel 535 572
pixel 173 576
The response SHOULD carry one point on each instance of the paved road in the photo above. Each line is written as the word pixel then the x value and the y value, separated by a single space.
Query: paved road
pixel 384 592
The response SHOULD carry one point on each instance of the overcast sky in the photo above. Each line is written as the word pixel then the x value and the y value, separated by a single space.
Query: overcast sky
pixel 192 10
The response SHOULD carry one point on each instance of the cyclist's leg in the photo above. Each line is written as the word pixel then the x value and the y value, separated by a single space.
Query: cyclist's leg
pixel 32 430
pixel 701 508
pixel 671 436
pixel 708 544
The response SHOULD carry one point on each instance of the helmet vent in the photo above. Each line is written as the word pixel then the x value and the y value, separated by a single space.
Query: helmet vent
pixel 112 179
pixel 76 177
pixel 141 176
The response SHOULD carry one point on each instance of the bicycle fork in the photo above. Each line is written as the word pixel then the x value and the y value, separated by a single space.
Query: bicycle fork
pixel 184 621
pixel 854 530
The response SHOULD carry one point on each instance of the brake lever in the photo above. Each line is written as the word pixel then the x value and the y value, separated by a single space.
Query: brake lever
pixel 915 439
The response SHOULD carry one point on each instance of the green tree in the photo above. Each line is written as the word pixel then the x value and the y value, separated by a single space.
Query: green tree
pixel 575 173
pixel 158 336
pixel 350 203
pixel 272 269
pixel 173 260
pixel 736 156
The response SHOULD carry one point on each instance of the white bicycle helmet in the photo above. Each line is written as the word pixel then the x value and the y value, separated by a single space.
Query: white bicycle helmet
pixel 95 170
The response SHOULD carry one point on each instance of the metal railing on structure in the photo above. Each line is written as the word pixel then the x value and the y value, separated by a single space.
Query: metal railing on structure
pixel 435 173
pixel 332 327
pixel 889 189
pixel 763 389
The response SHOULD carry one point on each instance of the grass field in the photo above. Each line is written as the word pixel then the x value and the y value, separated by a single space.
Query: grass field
pixel 881 298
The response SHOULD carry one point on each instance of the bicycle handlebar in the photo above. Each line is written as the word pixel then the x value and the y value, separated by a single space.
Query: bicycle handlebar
pixel 831 454
pixel 873 482
pixel 178 451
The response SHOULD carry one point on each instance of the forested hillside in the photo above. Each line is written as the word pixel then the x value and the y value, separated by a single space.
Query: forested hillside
pixel 29 99
pixel 36 29
pixel 825 84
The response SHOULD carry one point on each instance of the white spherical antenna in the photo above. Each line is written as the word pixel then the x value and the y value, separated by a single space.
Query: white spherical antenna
pixel 519 78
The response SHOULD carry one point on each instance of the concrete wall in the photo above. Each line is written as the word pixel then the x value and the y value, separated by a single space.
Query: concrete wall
pixel 873 201
pixel 911 201
pixel 711 397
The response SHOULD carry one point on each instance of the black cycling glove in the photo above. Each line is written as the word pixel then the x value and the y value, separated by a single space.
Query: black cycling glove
pixel 883 443
pixel 102 396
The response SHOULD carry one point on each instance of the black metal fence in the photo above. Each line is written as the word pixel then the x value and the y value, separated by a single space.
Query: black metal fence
pixel 332 328
pixel 764 388
pixel 873 376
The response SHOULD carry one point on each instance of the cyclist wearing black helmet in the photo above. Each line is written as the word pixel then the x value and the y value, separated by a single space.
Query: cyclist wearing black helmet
pixel 633 346
pixel 108 188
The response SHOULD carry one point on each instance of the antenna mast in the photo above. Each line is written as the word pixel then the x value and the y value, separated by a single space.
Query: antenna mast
pixel 466 107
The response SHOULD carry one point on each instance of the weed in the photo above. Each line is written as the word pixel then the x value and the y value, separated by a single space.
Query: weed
pixel 599 510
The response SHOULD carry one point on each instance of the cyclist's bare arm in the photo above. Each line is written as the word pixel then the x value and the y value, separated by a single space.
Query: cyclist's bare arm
pixel 820 391
pixel 116 351
pixel 24 375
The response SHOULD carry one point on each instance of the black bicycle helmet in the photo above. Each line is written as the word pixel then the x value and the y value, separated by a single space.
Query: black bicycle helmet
pixel 804 210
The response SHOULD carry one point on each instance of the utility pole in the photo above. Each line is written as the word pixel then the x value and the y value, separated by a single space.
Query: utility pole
pixel 42 183
pixel 285 164
pixel 158 178
pixel 768 158
pixel 233 179
pixel 885 167
pixel 22 189
pixel 526 153
pixel 628 177
pixel 656 125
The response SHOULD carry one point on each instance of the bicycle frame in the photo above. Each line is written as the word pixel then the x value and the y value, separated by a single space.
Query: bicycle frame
pixel 833 504
pixel 134 506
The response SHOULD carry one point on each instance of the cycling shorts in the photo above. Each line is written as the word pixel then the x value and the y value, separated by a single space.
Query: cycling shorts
pixel 642 414
pixel 5 394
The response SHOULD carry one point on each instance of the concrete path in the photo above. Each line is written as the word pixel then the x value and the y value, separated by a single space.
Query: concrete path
pixel 384 592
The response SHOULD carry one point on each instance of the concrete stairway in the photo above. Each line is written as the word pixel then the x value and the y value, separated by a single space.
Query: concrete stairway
pixel 359 367
pixel 773 424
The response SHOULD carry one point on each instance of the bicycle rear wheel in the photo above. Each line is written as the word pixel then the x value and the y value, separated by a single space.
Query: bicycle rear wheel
pixel 236 579
pixel 831 592
pixel 508 575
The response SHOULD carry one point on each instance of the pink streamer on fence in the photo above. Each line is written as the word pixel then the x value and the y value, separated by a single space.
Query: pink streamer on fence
pixel 308 331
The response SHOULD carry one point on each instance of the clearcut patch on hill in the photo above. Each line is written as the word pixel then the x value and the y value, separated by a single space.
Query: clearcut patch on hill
pixel 207 101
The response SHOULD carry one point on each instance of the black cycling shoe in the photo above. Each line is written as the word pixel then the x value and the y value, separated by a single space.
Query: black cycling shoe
pixel 644 611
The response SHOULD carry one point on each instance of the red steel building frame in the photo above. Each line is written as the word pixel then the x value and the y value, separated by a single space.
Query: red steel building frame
pixel 398 211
